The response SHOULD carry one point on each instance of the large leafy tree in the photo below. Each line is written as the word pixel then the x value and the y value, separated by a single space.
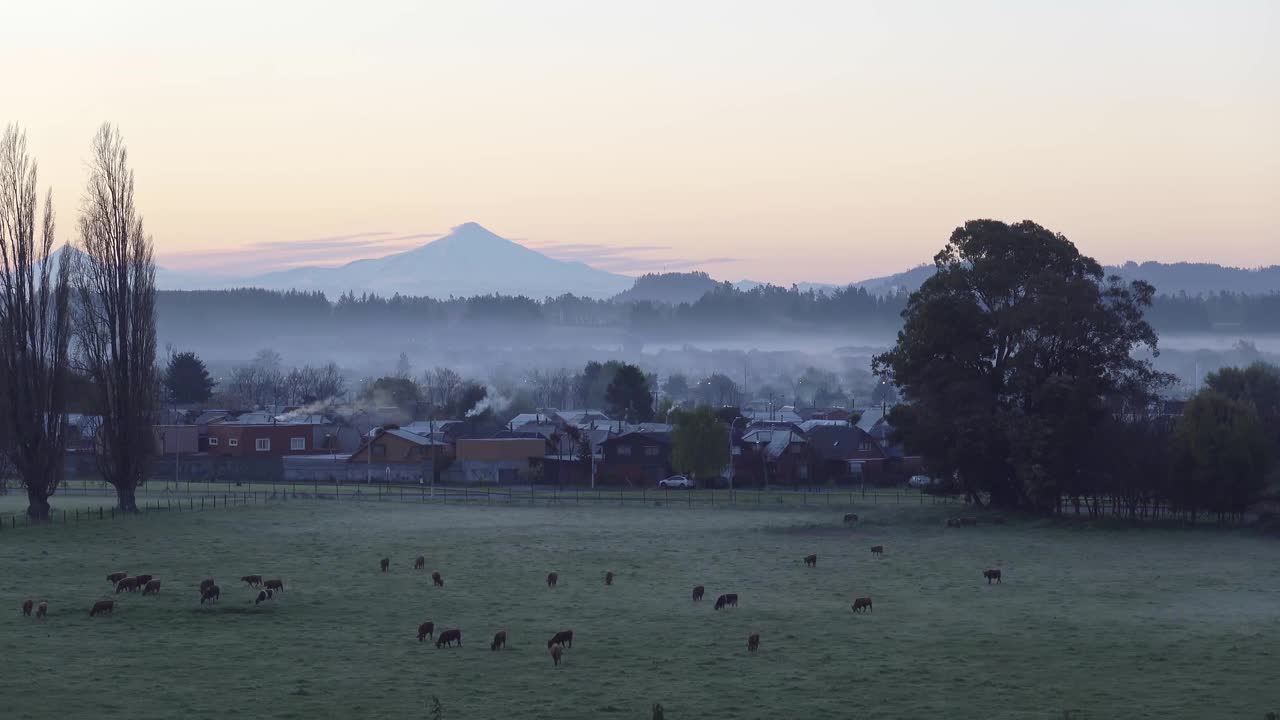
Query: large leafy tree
pixel 1010 355
pixel 1222 455
pixel 187 379
pixel 628 395
pixel 1257 386
pixel 700 443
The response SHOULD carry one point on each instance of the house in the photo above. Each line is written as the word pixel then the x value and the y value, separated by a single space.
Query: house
pixel 397 455
pixel 176 439
pixel 262 435
pixel 634 459
pixel 497 460
pixel 770 455
pixel 841 453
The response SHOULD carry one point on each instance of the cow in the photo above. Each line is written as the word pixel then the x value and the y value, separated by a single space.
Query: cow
pixel 851 517
pixel 608 578
pixel 263 596
pixel 116 577
pixel 698 592
pixel 564 637
pixel 127 585
pixel 277 584
pixel 26 607
pixel 992 574
pixel 436 579
pixel 384 563
pixel 251 580
pixel 102 606
pixel 877 550
pixel 753 642
pixel 426 630
pixel 727 600
pixel 212 593
pixel 556 653
pixel 151 588
pixel 811 560
pixel 499 640
pixel 449 637
pixel 862 603
pixel 143 580
pixel 206 584
pixel 42 609
pixel 553 579
pixel 420 563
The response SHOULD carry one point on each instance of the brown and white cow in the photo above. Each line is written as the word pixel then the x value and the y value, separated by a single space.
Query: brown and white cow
pixel 420 563
pixel 128 584
pixel 116 577
pixel 26 607
pixel 698 592
pixel 553 579
pixel 42 609
pixel 608 578
pixel 726 600
pixel 251 580
pixel 212 593
pixel 556 654
pixel 449 637
pixel 276 584
pixel 436 579
pixel 384 563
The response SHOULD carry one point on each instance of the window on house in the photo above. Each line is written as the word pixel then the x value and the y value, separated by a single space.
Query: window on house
pixel 233 442
pixel 297 443
pixel 262 444
pixel 651 450
pixel 624 449
pixel 213 442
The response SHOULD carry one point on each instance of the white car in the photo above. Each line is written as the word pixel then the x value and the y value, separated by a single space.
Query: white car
pixel 921 481
pixel 676 481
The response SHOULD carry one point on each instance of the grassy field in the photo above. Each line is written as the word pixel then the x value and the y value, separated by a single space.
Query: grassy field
pixel 1089 623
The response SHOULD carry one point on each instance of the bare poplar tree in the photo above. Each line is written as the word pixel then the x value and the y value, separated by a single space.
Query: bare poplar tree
pixel 35 328
pixel 116 324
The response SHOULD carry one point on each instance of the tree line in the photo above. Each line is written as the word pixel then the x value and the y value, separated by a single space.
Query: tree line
pixel 1022 388
pixel 86 313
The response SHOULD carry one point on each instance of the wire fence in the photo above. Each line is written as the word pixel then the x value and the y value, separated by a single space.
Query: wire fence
pixel 179 499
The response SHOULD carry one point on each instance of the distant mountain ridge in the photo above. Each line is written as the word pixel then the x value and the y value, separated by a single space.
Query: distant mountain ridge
pixel 471 261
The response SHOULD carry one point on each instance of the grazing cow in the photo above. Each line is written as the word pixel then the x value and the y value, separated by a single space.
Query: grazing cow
pixel 811 560
pixel 556 653
pixel 206 584
pixel 992 574
pixel 727 600
pixel 384 563
pixel 851 518
pixel 420 563
pixel 877 549
pixel 42 609
pixel 499 640
pixel 753 642
pixel 436 579
pixel 564 637
pixel 251 580
pixel 698 592
pixel 608 578
pixel 116 577
pixel 127 585
pixel 103 606
pixel 552 579
pixel 276 584
pixel 968 521
pixel 263 596
pixel 449 637
pixel 142 580
pixel 426 630
pixel 26 607
pixel 862 603
pixel 151 588
pixel 211 594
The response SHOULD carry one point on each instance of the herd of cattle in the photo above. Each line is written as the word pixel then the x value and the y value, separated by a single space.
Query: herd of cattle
pixel 150 585
pixel 267 590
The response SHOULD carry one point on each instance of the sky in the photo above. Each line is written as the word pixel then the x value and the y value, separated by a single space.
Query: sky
pixel 787 142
